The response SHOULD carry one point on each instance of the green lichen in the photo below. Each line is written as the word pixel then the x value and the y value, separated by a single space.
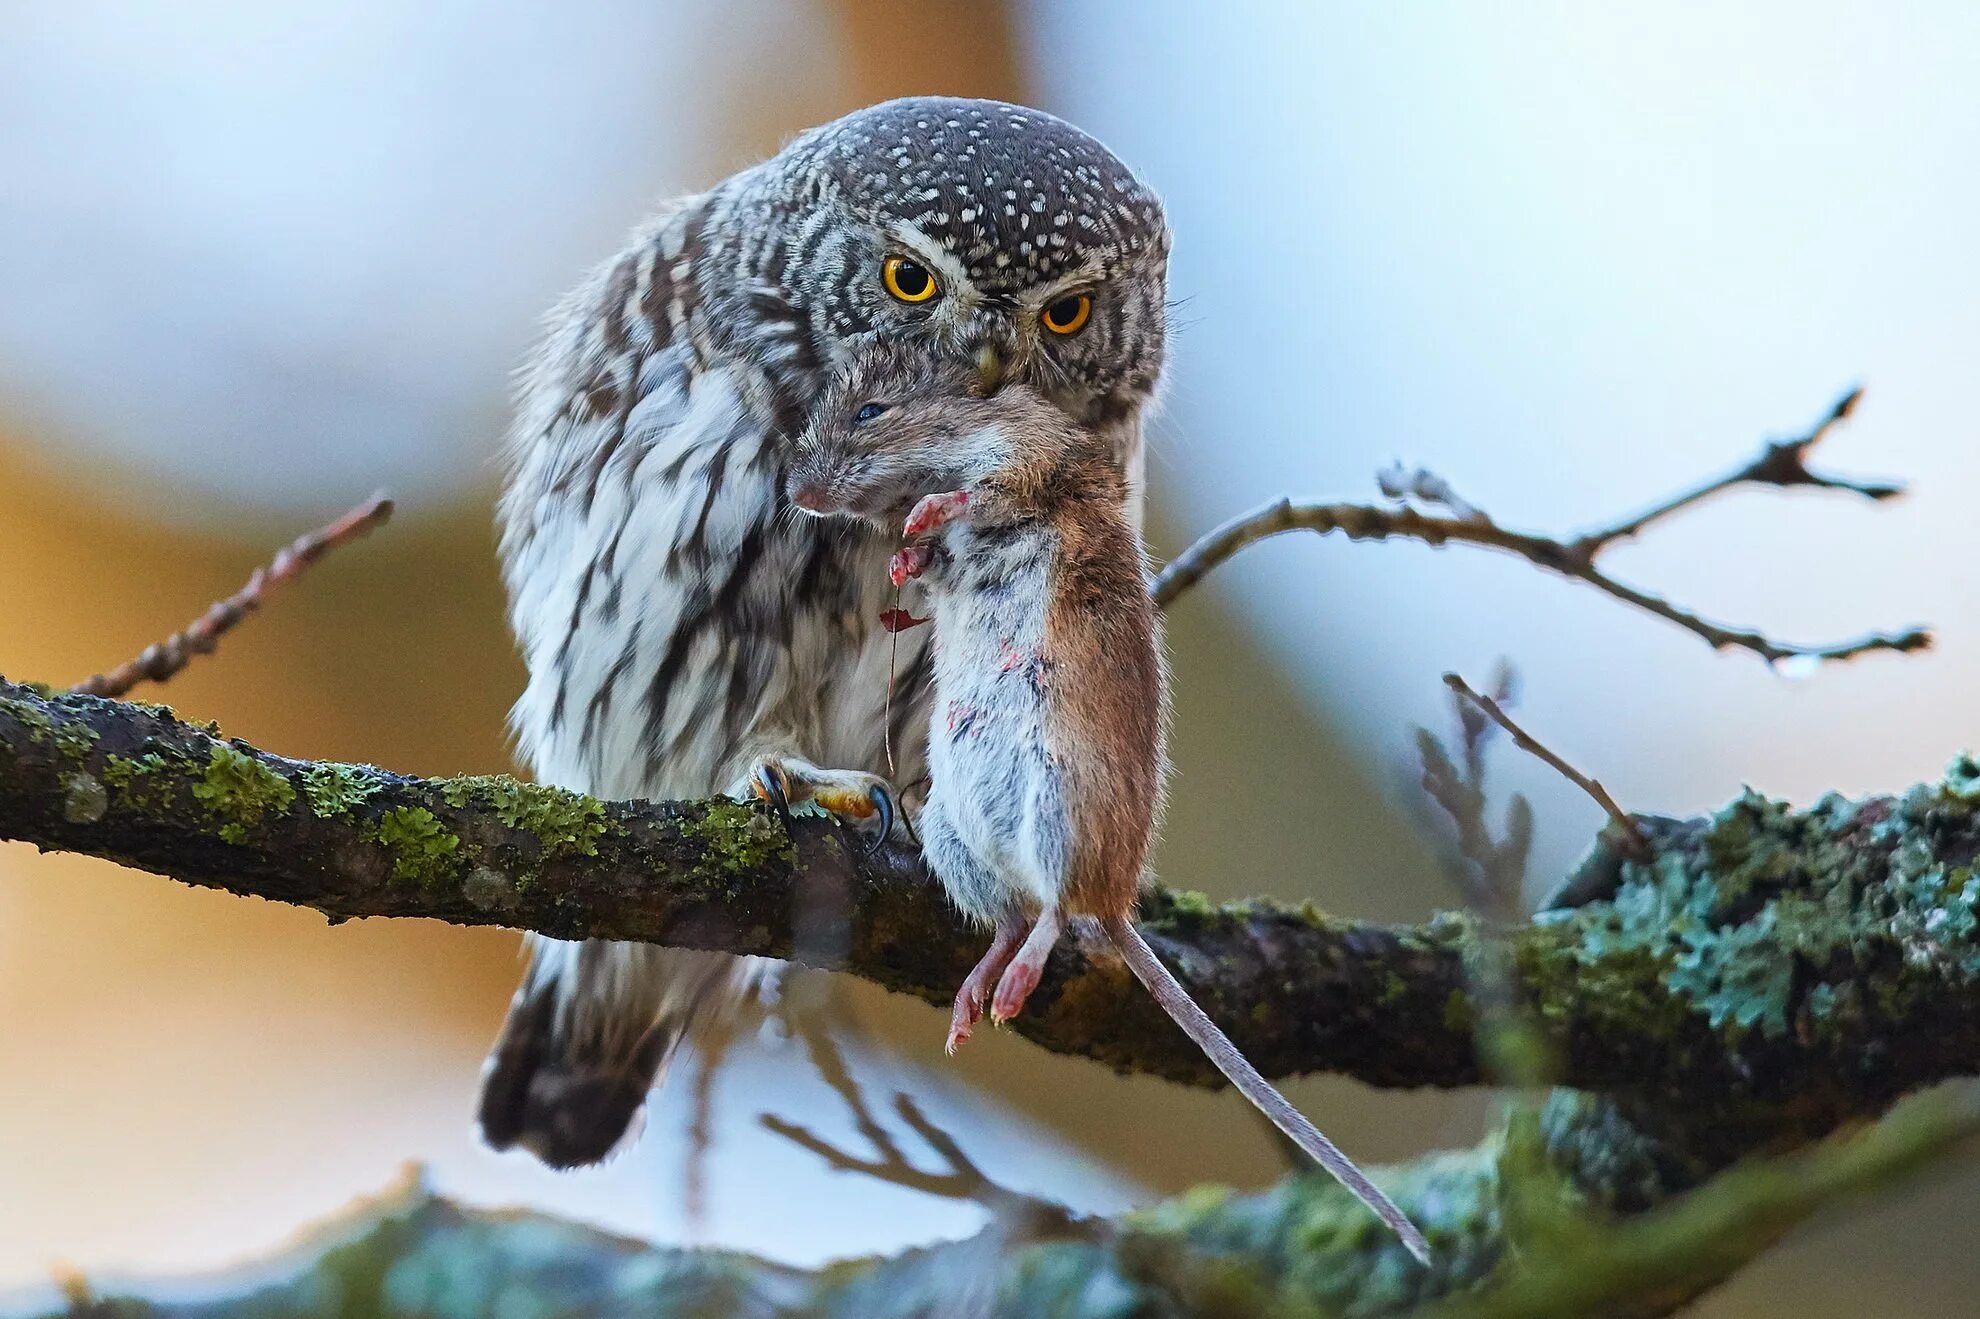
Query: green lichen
pixel 1764 926
pixel 75 739
pixel 238 791
pixel 28 716
pixel 333 790
pixel 423 850
pixel 1188 904
pixel 1459 1019
pixel 122 772
pixel 140 782
pixel 737 839
pixel 565 823
pixel 1961 781
pixel 490 889
pixel 1737 974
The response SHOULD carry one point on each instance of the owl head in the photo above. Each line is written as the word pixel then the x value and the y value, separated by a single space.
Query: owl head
pixel 979 232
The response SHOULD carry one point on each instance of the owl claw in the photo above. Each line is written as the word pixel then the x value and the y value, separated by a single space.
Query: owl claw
pixel 862 803
pixel 883 804
pixel 767 783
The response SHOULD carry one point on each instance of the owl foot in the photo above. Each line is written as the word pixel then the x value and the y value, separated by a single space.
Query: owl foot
pixel 983 978
pixel 863 803
pixel 1027 968
pixel 935 511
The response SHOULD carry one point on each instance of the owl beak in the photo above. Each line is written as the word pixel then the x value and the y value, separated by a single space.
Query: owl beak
pixel 989 368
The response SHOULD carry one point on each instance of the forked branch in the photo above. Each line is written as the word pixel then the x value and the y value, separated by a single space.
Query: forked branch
pixel 1783 463
pixel 1630 834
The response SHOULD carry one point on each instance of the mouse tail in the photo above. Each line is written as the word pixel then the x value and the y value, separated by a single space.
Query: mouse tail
pixel 1217 1046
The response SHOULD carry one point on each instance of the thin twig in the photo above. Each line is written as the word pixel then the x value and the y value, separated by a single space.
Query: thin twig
pixel 712 1042
pixel 962 1179
pixel 1496 882
pixel 1425 486
pixel 1780 464
pixel 165 659
pixel 1510 1046
pixel 1632 838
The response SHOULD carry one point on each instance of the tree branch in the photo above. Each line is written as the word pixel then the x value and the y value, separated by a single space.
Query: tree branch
pixel 1825 957
pixel 1779 464
pixel 1302 1247
pixel 160 662
pixel 1631 837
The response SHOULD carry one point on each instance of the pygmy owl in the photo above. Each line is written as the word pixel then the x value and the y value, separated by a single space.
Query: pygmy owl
pixel 685 634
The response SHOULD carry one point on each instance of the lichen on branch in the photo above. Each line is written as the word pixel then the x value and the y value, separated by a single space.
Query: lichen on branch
pixel 1825 956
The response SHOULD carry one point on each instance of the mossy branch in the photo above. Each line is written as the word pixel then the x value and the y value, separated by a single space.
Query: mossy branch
pixel 1303 1247
pixel 1770 976
pixel 1825 958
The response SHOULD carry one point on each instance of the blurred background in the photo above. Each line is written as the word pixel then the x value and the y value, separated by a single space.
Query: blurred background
pixel 259 260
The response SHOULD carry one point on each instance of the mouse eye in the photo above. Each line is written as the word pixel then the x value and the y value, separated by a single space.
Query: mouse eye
pixel 908 280
pixel 1067 314
pixel 867 412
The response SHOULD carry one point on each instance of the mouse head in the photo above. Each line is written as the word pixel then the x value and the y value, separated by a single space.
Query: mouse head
pixel 898 425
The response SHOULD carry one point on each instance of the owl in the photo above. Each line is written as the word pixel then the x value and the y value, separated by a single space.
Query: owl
pixel 684 633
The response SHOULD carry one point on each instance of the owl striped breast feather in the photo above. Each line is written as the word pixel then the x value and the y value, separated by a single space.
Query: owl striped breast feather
pixel 657 591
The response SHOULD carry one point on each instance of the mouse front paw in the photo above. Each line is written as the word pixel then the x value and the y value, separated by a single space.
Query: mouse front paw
pixel 935 511
pixel 908 563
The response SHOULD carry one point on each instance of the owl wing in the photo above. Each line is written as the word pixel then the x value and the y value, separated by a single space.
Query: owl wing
pixel 638 544
pixel 640 540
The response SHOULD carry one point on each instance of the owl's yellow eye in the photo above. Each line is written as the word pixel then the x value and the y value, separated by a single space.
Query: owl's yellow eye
pixel 908 280
pixel 1067 314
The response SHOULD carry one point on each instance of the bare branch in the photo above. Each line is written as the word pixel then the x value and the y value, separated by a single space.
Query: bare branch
pixel 1632 838
pixel 961 1179
pixel 162 661
pixel 1425 486
pixel 1780 464
pixel 1496 881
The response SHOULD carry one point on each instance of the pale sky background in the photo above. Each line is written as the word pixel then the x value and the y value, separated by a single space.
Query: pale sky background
pixel 1570 256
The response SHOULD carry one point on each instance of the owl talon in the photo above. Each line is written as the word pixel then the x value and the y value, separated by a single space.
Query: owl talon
pixel 862 803
pixel 767 784
pixel 883 804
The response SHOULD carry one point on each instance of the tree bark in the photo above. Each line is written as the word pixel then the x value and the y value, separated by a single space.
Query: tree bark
pixel 1826 957
pixel 1766 977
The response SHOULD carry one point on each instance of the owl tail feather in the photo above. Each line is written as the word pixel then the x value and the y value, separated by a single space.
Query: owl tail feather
pixel 590 1033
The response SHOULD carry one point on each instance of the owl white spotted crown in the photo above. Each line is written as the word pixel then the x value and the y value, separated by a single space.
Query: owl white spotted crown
pixel 1017 195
